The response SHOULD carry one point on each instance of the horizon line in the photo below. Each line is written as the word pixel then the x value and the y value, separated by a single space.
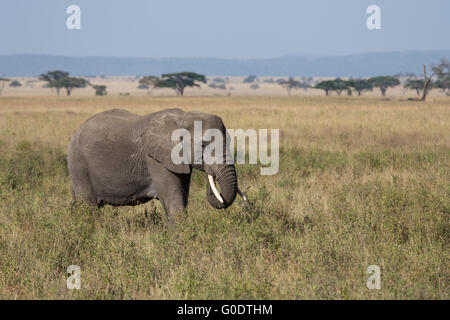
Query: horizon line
pixel 291 55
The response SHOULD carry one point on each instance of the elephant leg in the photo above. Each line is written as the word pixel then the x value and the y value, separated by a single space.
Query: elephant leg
pixel 171 188
pixel 81 187
pixel 74 199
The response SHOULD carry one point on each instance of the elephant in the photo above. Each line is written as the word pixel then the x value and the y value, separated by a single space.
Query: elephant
pixel 120 158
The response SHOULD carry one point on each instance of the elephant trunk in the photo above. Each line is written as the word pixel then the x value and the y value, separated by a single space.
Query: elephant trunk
pixel 225 176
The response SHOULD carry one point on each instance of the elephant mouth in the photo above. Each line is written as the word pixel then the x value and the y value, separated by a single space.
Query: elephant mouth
pixel 222 195
pixel 222 186
pixel 217 193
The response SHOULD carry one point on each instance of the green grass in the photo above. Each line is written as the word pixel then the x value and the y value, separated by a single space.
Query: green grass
pixel 362 181
pixel 313 231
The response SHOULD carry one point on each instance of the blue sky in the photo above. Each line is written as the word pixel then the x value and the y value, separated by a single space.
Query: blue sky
pixel 224 29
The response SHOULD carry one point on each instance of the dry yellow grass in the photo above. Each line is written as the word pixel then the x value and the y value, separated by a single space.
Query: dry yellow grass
pixel 362 181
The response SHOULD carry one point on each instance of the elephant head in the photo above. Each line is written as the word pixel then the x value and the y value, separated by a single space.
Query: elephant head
pixel 159 143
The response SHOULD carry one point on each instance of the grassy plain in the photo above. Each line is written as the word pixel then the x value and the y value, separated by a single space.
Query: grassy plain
pixel 362 181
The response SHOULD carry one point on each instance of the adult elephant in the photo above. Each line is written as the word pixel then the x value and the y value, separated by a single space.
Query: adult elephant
pixel 119 158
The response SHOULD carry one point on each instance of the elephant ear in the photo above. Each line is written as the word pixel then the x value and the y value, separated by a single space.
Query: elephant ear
pixel 157 141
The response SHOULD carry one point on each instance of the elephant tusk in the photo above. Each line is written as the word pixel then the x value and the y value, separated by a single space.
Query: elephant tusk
pixel 242 194
pixel 214 189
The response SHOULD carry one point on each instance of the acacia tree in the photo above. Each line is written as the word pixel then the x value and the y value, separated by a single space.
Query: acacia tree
pixel 442 71
pixel 70 83
pixel 100 90
pixel 52 78
pixel 360 85
pixel 326 85
pixel 339 86
pixel 60 79
pixel 180 80
pixel 290 84
pixel 443 74
pixel 415 84
pixel 149 83
pixel 15 84
pixel 250 79
pixel 384 82
pixel 427 83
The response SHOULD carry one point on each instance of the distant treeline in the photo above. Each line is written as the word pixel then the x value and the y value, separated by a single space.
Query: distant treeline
pixel 422 85
pixel 439 78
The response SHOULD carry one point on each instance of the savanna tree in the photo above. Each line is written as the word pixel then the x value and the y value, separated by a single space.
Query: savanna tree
pixel 15 84
pixel 415 84
pixel 444 85
pixel 443 78
pixel 52 78
pixel 289 84
pixel 303 85
pixel 100 90
pixel 149 83
pixel 70 83
pixel 442 71
pixel 327 86
pixel 360 85
pixel 384 83
pixel 180 80
pixel 339 86
pixel 250 79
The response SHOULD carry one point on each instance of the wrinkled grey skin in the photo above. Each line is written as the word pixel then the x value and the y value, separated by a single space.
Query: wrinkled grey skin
pixel 120 158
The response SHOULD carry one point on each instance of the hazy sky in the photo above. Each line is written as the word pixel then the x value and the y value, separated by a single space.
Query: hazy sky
pixel 225 29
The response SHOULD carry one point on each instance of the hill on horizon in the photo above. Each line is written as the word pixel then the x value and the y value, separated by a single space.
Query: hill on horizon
pixel 355 65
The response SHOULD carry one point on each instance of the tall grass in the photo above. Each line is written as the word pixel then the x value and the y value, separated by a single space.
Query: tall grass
pixel 361 182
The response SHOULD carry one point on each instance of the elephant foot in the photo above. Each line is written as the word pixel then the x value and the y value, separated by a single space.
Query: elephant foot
pixel 174 213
